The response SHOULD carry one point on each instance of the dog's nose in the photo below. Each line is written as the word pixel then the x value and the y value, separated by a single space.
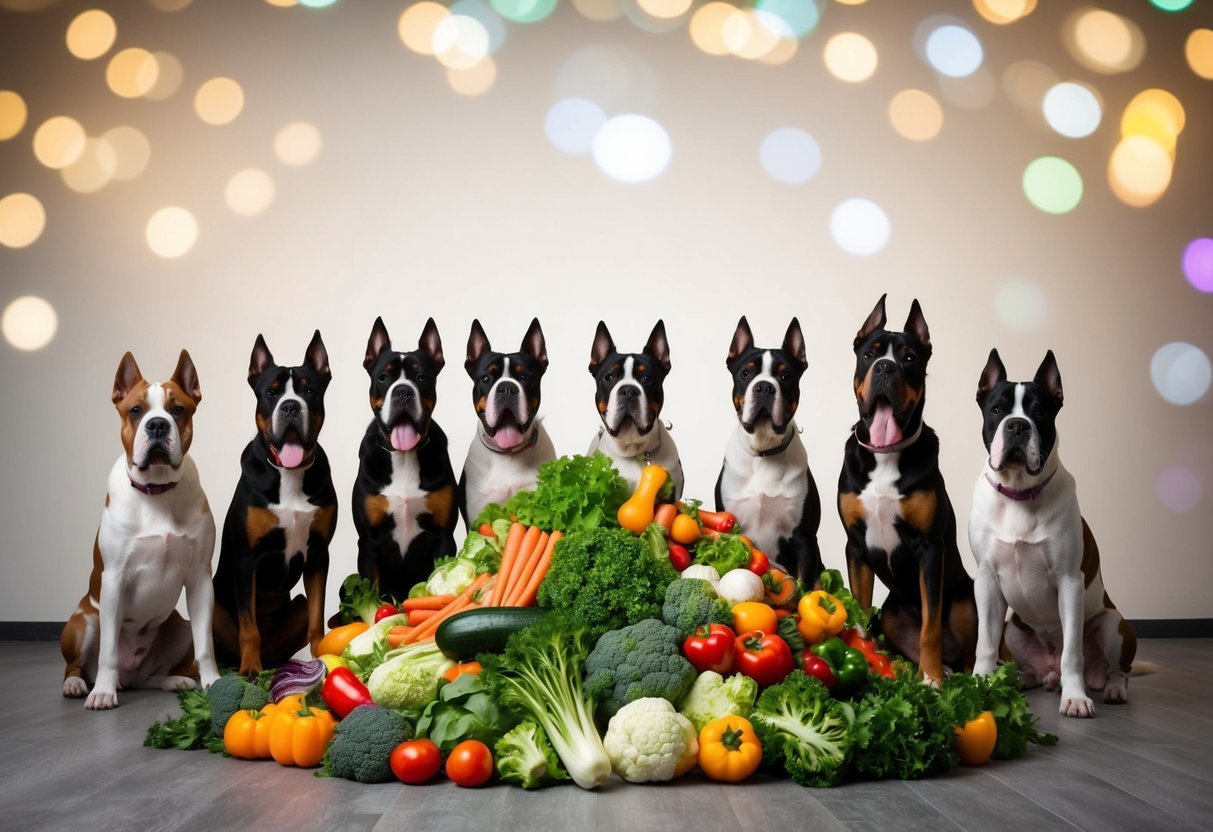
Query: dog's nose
pixel 884 369
pixel 627 392
pixel 403 393
pixel 764 389
pixel 507 391
pixel 290 408
pixel 1017 427
pixel 158 427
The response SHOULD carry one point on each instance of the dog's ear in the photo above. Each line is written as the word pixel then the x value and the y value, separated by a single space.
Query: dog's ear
pixel 993 375
pixel 478 345
pixel 743 339
pixel 534 345
pixel 874 322
pixel 317 356
pixel 186 377
pixel 658 346
pixel 431 344
pixel 376 344
pixel 793 343
pixel 260 361
pixel 127 377
pixel 1049 377
pixel 916 325
pixel 603 346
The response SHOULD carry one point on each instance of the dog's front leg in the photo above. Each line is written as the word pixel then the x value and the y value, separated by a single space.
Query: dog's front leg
pixel 1074 699
pixel 991 619
pixel 104 694
pixel 246 615
pixel 200 603
pixel 315 573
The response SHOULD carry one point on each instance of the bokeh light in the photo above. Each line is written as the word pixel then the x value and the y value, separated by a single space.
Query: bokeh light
pixel 22 220
pixel 249 192
pixel 1021 305
pixel 418 24
pixel 1139 171
pixel 1181 372
pixel 1198 49
pixel 317 4
pixel 93 170
pixel 1172 5
pixel 1198 263
pixel 489 19
pixel 1052 184
pixel 851 57
pixel 219 101
pixel 572 123
pixel 1027 82
pixel 784 50
pixel 859 226
pixel 954 51
pixel 91 34
pixel 750 37
pixel 1072 109
pixel 171 232
pixel 1002 12
pixel 916 115
pixel 132 72
pixel 524 11
pixel 707 27
pixel 29 323
pixel 1178 489
pixel 616 78
pixel 601 11
pixel 59 141
pixel 1102 41
pixel 475 80
pixel 297 144
pixel 1155 114
pixel 132 151
pixel 664 9
pixel 632 148
pixel 460 42
pixel 790 155
pixel 168 77
pixel 13 114
pixel 800 16
pixel 171 5
pixel 283 4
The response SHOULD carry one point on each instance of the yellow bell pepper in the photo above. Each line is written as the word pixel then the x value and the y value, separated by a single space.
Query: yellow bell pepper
pixel 976 740
pixel 822 616
pixel 729 749
pixel 299 734
pixel 247 734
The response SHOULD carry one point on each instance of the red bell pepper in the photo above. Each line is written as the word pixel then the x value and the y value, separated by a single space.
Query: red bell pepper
pixel 711 647
pixel 343 691
pixel 680 558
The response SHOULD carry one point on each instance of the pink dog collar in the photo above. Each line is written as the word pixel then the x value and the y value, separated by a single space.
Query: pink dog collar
pixel 153 489
pixel 1017 495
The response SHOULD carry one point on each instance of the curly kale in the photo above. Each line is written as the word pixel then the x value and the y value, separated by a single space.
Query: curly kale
pixel 606 579
pixel 635 662
pixel 967 696
pixel 903 729
pixel 691 602
pixel 803 730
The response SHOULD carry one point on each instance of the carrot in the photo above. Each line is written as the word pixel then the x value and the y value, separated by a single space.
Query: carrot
pixel 524 553
pixel 396 635
pixel 526 597
pixel 664 515
pixel 513 542
pixel 528 569
pixel 465 600
pixel 486 530
pixel 419 616
pixel 426 602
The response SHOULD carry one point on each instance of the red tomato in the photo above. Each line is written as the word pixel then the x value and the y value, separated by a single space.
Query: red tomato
pixel 680 558
pixel 384 611
pixel 416 761
pixel 760 564
pixel 711 647
pixel 470 763
pixel 766 659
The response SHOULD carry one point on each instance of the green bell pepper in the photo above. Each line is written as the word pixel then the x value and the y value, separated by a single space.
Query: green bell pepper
pixel 850 665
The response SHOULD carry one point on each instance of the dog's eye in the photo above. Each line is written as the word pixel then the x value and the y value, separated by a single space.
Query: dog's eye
pixel 486 378
pixel 646 378
pixel 608 378
pixel 179 409
pixel 383 378
pixel 783 376
pixel 523 377
pixel 422 378
pixel 745 373
pixel 908 358
pixel 867 356
pixel 136 411
pixel 309 393
pixel 996 410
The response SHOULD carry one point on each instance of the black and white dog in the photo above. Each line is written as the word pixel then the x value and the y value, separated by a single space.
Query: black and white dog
pixel 765 480
pixel 510 442
pixel 1035 553
pixel 629 397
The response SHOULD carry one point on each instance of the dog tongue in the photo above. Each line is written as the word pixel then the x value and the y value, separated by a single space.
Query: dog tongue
pixel 508 436
pixel 290 455
pixel 884 431
pixel 404 437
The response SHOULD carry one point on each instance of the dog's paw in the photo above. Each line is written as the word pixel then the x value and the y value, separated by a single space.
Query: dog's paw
pixel 1116 692
pixel 173 683
pixel 1077 706
pixel 101 700
pixel 1051 679
pixel 74 687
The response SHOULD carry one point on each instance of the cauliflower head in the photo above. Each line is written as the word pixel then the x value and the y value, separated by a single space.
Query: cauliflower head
pixel 647 740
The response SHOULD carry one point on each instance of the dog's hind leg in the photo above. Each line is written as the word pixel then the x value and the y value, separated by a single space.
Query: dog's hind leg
pixel 1110 645
pixel 173 653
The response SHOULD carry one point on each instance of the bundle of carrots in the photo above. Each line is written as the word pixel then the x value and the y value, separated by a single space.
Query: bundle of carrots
pixel 525 561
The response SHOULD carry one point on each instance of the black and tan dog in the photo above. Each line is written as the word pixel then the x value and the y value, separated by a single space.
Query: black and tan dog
pixel 404 497
pixel 281 519
pixel 891 498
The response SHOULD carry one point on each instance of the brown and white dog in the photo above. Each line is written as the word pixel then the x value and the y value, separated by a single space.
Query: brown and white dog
pixel 157 536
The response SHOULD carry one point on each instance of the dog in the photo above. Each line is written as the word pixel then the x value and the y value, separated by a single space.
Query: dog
pixel 404 497
pixel 1035 552
pixel 765 480
pixel 510 442
pixel 156 537
pixel 891 498
pixel 280 521
pixel 629 397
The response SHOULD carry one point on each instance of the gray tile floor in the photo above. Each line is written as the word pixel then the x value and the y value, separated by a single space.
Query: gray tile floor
pixel 1144 766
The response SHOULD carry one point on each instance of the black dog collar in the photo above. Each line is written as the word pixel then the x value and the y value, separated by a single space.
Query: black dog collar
pixel 154 488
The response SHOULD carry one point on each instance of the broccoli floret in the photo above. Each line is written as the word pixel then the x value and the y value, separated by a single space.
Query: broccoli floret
pixel 690 602
pixel 254 699
pixel 226 695
pixel 525 757
pixel 606 579
pixel 636 662
pixel 712 697
pixel 803 730
pixel 363 743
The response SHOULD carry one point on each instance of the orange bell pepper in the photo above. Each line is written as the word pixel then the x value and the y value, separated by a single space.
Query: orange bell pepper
pixel 729 750
pixel 822 616
pixel 247 733
pixel 299 734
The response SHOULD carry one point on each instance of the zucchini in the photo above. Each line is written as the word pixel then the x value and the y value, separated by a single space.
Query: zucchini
pixel 467 633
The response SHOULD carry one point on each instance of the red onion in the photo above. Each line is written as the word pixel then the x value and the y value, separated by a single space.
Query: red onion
pixel 295 676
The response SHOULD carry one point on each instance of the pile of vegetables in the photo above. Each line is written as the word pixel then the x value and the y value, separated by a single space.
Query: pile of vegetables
pixel 644 658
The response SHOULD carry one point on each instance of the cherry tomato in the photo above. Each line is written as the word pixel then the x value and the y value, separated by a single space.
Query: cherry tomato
pixel 470 763
pixel 760 564
pixel 766 659
pixel 416 761
pixel 384 611
pixel 752 616
pixel 680 558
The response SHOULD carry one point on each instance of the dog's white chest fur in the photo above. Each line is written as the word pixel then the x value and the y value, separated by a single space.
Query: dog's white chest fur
pixel 491 477
pixel 882 504
pixel 405 499
pixel 294 512
pixel 765 493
